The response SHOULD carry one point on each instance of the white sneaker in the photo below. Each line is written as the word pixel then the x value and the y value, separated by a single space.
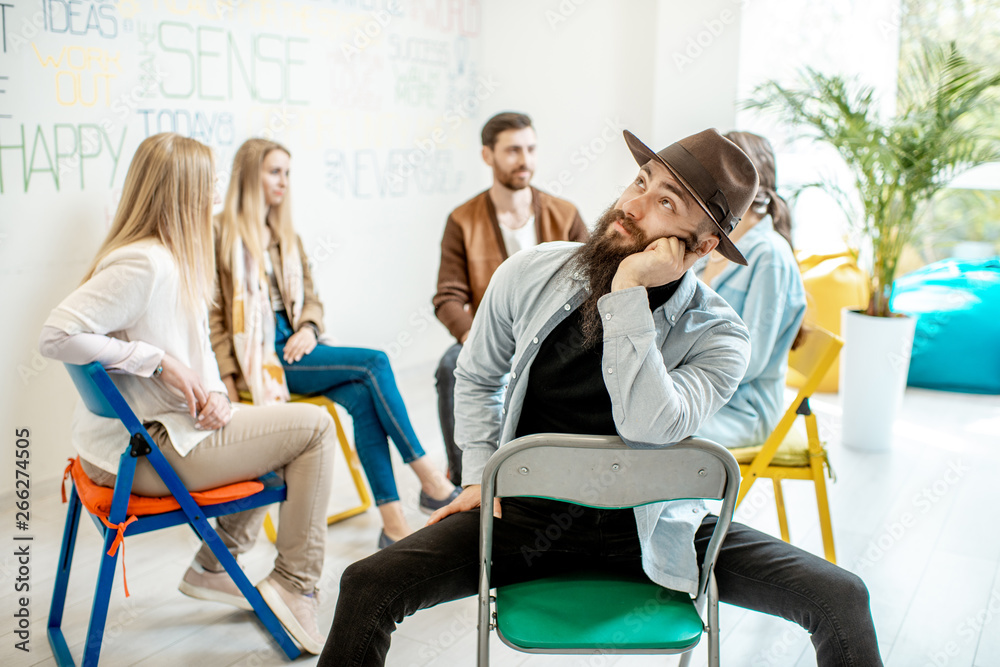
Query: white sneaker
pixel 297 612
pixel 213 586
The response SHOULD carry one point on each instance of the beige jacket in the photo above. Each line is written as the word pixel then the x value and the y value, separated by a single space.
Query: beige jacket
pixel 221 316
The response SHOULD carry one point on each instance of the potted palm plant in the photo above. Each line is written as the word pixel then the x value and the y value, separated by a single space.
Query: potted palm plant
pixel 944 125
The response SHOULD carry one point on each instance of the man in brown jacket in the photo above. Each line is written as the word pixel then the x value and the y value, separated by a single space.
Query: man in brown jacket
pixel 483 232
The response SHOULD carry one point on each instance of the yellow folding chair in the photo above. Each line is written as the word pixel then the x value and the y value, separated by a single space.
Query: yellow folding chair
pixel 353 464
pixel 785 455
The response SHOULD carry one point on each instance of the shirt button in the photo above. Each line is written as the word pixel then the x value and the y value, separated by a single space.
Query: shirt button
pixel 608 316
pixel 694 510
pixel 503 411
pixel 611 371
pixel 534 340
pixel 513 375
pixel 566 307
pixel 673 318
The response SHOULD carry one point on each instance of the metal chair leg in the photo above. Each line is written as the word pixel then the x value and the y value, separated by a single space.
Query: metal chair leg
pixel 779 504
pixel 102 598
pixel 825 523
pixel 60 649
pixel 816 460
pixel 713 622
pixel 263 612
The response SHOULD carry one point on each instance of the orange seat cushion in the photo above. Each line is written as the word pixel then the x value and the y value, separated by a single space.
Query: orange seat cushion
pixel 97 499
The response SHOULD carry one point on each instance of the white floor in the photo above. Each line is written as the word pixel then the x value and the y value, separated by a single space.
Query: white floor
pixel 915 523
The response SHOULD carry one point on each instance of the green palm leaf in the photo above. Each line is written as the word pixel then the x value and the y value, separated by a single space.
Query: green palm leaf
pixel 945 124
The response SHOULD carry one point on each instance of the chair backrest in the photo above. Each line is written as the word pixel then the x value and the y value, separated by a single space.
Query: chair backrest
pixel 601 471
pixel 814 357
pixel 101 396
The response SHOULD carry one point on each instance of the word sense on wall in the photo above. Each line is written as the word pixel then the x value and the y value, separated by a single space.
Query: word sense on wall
pixel 377 96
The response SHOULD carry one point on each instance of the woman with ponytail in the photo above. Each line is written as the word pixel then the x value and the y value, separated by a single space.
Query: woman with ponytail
pixel 767 294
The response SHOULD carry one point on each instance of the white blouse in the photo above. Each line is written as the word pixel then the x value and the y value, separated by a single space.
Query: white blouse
pixel 126 317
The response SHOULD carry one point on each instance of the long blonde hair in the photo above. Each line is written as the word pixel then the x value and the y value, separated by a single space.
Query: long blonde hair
pixel 244 211
pixel 168 197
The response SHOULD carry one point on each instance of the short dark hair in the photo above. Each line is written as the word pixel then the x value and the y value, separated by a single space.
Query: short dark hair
pixel 508 120
pixel 708 226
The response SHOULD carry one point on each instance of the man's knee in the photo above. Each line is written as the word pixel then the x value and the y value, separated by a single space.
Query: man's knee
pixel 852 590
pixel 359 578
pixel 370 580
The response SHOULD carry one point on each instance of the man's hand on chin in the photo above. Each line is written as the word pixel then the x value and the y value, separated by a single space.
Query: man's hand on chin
pixel 469 499
pixel 663 261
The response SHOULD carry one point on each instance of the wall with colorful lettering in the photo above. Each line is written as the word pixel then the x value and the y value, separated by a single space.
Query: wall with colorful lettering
pixel 379 101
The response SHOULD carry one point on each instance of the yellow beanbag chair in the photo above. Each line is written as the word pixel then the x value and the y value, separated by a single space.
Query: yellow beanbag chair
pixel 832 282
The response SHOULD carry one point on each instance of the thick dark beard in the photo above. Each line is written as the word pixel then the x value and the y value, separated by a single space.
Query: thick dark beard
pixel 598 260
pixel 507 180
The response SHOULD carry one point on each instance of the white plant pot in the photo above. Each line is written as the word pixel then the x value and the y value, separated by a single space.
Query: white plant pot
pixel 874 364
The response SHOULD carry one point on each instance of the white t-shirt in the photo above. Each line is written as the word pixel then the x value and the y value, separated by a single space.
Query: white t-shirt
pixel 521 238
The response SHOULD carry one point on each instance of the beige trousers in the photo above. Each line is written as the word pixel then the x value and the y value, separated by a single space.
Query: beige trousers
pixel 294 440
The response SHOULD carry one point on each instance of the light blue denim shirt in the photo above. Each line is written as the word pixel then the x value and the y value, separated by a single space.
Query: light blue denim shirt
pixel 769 297
pixel 666 372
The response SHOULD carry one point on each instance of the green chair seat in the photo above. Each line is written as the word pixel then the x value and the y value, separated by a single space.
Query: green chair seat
pixel 596 610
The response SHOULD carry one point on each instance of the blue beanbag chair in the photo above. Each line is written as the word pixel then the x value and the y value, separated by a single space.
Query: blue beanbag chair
pixel 957 342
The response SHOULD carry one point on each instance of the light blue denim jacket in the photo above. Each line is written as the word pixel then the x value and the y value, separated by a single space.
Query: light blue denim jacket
pixel 666 372
pixel 769 297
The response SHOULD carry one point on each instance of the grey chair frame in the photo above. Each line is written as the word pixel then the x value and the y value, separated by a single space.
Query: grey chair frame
pixel 603 472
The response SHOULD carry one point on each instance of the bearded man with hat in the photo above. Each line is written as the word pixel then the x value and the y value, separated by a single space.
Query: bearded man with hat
pixel 617 337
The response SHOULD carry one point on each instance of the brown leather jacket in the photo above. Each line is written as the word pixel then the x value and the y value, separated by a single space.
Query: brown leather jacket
pixel 220 317
pixel 473 248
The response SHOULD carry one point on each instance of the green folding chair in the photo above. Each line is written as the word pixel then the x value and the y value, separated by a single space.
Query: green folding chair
pixel 600 612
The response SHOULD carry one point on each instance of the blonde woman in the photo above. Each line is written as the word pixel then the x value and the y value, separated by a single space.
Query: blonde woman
pixel 266 328
pixel 142 311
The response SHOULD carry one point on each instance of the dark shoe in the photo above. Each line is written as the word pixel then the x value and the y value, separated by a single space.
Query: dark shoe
pixel 430 505
pixel 384 540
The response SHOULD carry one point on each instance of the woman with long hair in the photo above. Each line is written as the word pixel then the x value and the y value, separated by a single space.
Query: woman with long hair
pixel 267 324
pixel 142 310
pixel 767 294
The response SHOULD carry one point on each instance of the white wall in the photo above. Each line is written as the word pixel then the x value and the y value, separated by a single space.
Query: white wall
pixel 584 69
pixel 856 39
pixel 697 57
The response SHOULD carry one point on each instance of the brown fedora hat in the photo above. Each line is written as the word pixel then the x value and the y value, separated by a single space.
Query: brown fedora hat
pixel 716 173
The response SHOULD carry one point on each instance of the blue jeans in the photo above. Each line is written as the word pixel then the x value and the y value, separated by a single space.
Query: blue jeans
pixel 441 562
pixel 361 380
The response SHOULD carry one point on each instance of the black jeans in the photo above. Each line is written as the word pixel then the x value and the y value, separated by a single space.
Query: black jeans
pixel 536 538
pixel 446 411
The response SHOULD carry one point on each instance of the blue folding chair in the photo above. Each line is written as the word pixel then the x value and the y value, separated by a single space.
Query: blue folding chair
pixel 102 397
